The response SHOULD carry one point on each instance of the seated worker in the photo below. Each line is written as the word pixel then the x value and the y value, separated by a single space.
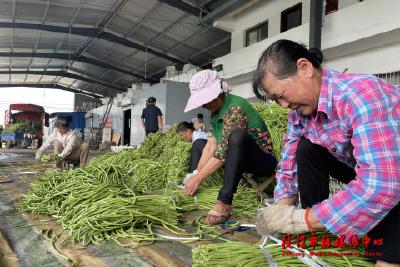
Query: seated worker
pixel 67 144
pixel 239 141
pixel 342 125
pixel 198 139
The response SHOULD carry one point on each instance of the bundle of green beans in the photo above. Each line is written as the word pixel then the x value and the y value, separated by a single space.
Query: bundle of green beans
pixel 122 157
pixel 331 254
pixel 94 211
pixel 178 161
pixel 49 157
pixel 47 193
pixel 147 175
pixel 148 148
pixel 275 118
pixel 245 202
pixel 241 254
pixel 214 180
pixel 97 212
pixel 228 254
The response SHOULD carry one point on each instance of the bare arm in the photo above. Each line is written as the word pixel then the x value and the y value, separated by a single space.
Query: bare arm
pixel 143 122
pixel 160 123
pixel 208 152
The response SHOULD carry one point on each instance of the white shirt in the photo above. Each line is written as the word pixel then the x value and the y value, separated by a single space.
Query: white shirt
pixel 70 141
pixel 199 135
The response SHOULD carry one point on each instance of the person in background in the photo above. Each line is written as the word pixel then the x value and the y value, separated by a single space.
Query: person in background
pixel 198 139
pixel 67 144
pixel 342 125
pixel 198 122
pixel 239 141
pixel 152 117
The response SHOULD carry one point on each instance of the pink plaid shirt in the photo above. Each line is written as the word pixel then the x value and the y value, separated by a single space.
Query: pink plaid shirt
pixel 358 121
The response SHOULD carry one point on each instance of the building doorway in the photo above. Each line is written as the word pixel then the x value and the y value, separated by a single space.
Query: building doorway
pixel 127 127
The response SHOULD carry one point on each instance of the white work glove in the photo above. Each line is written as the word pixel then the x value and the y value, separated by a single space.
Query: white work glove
pixel 188 176
pixel 281 219
pixel 38 155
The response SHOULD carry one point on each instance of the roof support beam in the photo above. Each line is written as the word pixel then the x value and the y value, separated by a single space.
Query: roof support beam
pixel 49 85
pixel 91 32
pixel 222 10
pixel 65 75
pixel 182 6
pixel 84 59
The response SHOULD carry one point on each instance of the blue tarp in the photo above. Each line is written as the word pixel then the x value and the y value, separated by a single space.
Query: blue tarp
pixel 12 137
pixel 77 119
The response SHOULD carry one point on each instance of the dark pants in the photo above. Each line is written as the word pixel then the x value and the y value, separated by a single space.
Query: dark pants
pixel 150 131
pixel 314 166
pixel 243 155
pixel 195 155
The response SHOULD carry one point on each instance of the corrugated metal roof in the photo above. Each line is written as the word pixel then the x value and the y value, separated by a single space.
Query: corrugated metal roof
pixel 103 46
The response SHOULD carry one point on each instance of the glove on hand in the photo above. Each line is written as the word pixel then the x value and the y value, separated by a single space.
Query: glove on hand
pixel 38 155
pixel 188 176
pixel 281 219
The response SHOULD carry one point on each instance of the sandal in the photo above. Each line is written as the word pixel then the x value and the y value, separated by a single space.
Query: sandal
pixel 219 213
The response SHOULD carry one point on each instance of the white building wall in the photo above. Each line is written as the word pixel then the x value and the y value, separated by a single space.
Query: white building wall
pixel 361 37
pixel 259 13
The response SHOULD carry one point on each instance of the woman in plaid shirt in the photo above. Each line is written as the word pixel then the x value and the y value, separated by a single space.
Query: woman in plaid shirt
pixel 345 126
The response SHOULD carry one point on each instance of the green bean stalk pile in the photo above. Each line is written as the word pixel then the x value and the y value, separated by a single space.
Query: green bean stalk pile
pixel 214 180
pixel 147 175
pixel 178 161
pixel 151 146
pixel 49 157
pixel 275 118
pixel 93 212
pixel 47 193
pixel 243 254
pixel 104 214
pixel 245 203
pixel 331 254
pixel 122 157
pixel 228 254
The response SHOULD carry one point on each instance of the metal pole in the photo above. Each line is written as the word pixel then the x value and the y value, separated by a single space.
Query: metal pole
pixel 315 23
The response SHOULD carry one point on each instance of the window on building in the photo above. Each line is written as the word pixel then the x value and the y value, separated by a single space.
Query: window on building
pixel 291 17
pixel 331 6
pixel 257 33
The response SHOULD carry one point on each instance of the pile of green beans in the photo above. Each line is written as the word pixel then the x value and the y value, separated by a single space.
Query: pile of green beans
pixel 336 260
pixel 119 158
pixel 245 202
pixel 93 211
pixel 276 119
pixel 243 254
pixel 228 254
pixel 151 146
pixel 214 180
pixel 147 175
pixel 104 214
pixel 178 161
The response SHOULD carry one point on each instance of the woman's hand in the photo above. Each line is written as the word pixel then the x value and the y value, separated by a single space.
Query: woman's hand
pixel 192 185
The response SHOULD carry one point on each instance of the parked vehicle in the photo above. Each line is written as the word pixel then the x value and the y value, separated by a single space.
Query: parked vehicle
pixel 24 126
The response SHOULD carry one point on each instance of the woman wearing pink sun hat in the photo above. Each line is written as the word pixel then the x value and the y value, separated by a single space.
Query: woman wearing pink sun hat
pixel 239 141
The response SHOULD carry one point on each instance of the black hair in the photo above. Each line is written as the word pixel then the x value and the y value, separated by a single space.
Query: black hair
pixel 280 59
pixel 200 115
pixel 184 125
pixel 151 100
pixel 62 122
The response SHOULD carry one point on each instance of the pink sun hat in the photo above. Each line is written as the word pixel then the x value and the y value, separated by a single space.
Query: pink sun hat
pixel 205 86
